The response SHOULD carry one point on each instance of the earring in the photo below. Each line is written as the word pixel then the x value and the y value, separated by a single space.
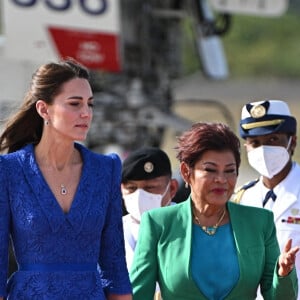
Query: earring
pixel 186 185
pixel 46 122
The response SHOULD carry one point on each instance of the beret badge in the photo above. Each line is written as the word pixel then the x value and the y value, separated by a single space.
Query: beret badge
pixel 148 167
pixel 258 111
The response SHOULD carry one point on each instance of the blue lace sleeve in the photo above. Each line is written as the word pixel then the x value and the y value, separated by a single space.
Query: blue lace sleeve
pixel 4 227
pixel 112 252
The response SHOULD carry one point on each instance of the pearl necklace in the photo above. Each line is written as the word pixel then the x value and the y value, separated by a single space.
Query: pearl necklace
pixel 210 230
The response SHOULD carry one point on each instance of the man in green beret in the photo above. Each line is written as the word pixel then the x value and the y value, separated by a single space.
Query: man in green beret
pixel 147 183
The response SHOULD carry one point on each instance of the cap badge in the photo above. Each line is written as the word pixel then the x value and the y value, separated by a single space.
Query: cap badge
pixel 148 167
pixel 258 111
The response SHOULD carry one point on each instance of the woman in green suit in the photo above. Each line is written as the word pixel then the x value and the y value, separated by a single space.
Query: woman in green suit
pixel 207 247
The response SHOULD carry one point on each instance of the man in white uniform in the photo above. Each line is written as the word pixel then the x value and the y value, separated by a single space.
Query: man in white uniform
pixel 147 183
pixel 269 131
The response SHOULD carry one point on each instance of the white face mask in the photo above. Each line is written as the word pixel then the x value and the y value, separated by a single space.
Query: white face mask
pixel 269 160
pixel 140 201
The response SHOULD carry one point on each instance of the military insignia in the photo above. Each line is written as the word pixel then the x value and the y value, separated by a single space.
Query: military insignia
pixel 295 211
pixel 148 167
pixel 258 111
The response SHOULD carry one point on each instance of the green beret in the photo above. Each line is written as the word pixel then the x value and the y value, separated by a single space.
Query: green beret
pixel 146 163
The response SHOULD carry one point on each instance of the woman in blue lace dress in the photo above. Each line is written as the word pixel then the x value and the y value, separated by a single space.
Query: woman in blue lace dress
pixel 60 203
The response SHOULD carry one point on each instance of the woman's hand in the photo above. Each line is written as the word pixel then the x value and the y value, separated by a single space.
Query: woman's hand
pixel 286 261
pixel 119 297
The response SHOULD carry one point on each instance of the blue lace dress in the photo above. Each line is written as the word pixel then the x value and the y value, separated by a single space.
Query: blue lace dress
pixel 77 255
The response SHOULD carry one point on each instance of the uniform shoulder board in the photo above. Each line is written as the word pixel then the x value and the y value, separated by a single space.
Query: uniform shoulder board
pixel 240 191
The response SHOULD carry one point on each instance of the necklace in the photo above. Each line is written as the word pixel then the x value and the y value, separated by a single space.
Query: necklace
pixel 63 190
pixel 210 230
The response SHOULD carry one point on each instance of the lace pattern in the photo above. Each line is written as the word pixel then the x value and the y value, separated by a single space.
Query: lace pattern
pixel 91 232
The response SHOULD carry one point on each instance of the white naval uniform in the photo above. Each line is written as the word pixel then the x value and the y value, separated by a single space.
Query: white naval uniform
pixel 287 204
pixel 131 231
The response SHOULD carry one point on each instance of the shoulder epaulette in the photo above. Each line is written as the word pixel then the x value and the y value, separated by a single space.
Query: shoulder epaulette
pixel 249 184
pixel 240 191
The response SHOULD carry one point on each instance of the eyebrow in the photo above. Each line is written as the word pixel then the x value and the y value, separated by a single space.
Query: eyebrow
pixel 214 164
pixel 79 98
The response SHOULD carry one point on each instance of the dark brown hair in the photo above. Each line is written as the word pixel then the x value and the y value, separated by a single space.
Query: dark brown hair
pixel 202 137
pixel 26 125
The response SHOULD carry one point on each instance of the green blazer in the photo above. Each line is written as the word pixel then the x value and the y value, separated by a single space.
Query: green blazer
pixel 163 255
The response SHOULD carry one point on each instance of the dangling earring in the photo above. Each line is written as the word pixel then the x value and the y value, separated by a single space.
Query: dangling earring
pixel 186 185
pixel 46 122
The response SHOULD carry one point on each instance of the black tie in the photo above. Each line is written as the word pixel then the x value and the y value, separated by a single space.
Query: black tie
pixel 270 194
